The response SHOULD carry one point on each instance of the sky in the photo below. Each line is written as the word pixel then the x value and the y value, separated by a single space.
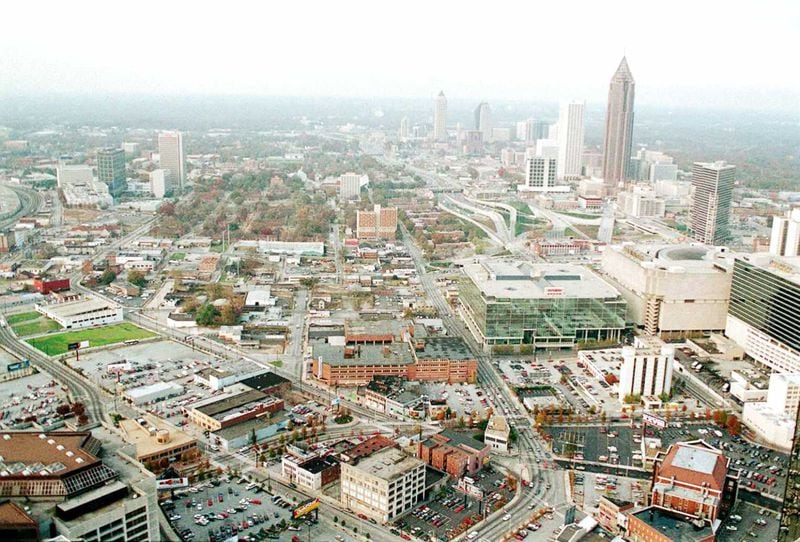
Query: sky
pixel 680 52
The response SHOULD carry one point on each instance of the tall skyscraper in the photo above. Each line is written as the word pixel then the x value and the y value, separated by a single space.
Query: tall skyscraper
pixel 483 121
pixel 785 238
pixel 618 139
pixel 570 140
pixel 170 150
pixel 111 169
pixel 440 118
pixel 711 208
pixel 404 128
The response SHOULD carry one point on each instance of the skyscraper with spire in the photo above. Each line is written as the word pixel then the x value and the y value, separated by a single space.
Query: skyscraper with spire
pixel 618 140
pixel 440 118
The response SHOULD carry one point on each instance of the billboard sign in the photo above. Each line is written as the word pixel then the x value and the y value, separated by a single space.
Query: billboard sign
pixel 73 346
pixel 24 364
pixel 653 420
pixel 305 508
pixel 171 483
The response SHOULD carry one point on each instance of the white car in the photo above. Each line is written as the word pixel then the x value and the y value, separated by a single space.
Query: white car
pixel 507 517
pixel 732 527
pixel 473 535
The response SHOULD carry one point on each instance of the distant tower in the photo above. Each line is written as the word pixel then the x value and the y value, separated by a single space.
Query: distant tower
pixel 483 121
pixel 111 169
pixel 711 207
pixel 440 118
pixel 170 151
pixel 570 140
pixel 618 139
pixel 404 128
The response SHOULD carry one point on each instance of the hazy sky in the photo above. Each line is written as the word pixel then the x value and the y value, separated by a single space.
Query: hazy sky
pixel 679 51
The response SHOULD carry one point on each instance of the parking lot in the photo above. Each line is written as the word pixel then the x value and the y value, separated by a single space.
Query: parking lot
pixel 32 398
pixel 450 512
pixel 754 461
pixel 218 510
pixel 756 523
pixel 162 361
pixel 463 399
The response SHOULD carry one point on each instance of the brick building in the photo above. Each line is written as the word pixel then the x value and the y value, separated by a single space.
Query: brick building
pixel 455 453
pixel 696 480
pixel 380 223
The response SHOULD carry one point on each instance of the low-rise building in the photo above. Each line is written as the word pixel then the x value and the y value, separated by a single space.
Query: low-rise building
pixel 230 409
pixel 652 524
pixel 152 393
pixel 497 434
pixel 83 313
pixel 382 485
pixel 309 470
pixel 773 420
pixel 160 445
pixel 380 223
pixel 612 514
pixel 456 453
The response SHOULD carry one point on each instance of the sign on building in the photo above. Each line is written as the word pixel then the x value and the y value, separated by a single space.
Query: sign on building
pixel 653 420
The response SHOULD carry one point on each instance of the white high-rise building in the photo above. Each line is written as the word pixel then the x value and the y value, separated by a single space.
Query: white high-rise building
pixel 710 213
pixel 159 183
pixel 570 140
pixel 774 420
pixel 540 175
pixel 646 368
pixel 350 185
pixel 785 239
pixel 483 121
pixel 641 202
pixel 171 158
pixel 404 129
pixel 440 118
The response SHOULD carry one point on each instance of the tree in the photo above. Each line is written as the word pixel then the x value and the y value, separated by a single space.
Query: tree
pixel 207 314
pixel 107 277
pixel 63 410
pixel 78 408
pixel 720 417
pixel 137 278
pixel 734 425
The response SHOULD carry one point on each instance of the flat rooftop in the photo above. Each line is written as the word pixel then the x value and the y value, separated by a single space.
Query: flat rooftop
pixel 264 381
pixel 454 348
pixel 146 442
pixel 33 454
pixel 76 308
pixel 218 409
pixel 388 464
pixel 364 354
pixel 685 258
pixel 673 526
pixel 501 279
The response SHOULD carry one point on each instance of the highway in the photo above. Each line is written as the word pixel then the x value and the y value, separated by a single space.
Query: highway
pixel 29 200
pixel 545 484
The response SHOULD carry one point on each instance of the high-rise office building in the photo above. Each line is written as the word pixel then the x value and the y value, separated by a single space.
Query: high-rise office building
pixel 404 128
pixel 711 208
pixel 570 140
pixel 540 174
pixel 785 239
pixel 111 169
pixel 763 311
pixel 440 118
pixel 618 138
pixel 170 150
pixel 483 121
pixel 473 143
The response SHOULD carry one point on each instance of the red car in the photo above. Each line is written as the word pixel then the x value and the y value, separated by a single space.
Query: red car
pixel 255 501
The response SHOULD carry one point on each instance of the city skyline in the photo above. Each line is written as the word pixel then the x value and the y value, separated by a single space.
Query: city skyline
pixel 695 72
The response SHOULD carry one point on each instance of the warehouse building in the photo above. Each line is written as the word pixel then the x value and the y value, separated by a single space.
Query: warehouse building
pixel 83 313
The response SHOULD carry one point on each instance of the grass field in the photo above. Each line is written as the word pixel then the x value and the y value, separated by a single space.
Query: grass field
pixel 177 256
pixel 36 327
pixel 22 317
pixel 57 344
